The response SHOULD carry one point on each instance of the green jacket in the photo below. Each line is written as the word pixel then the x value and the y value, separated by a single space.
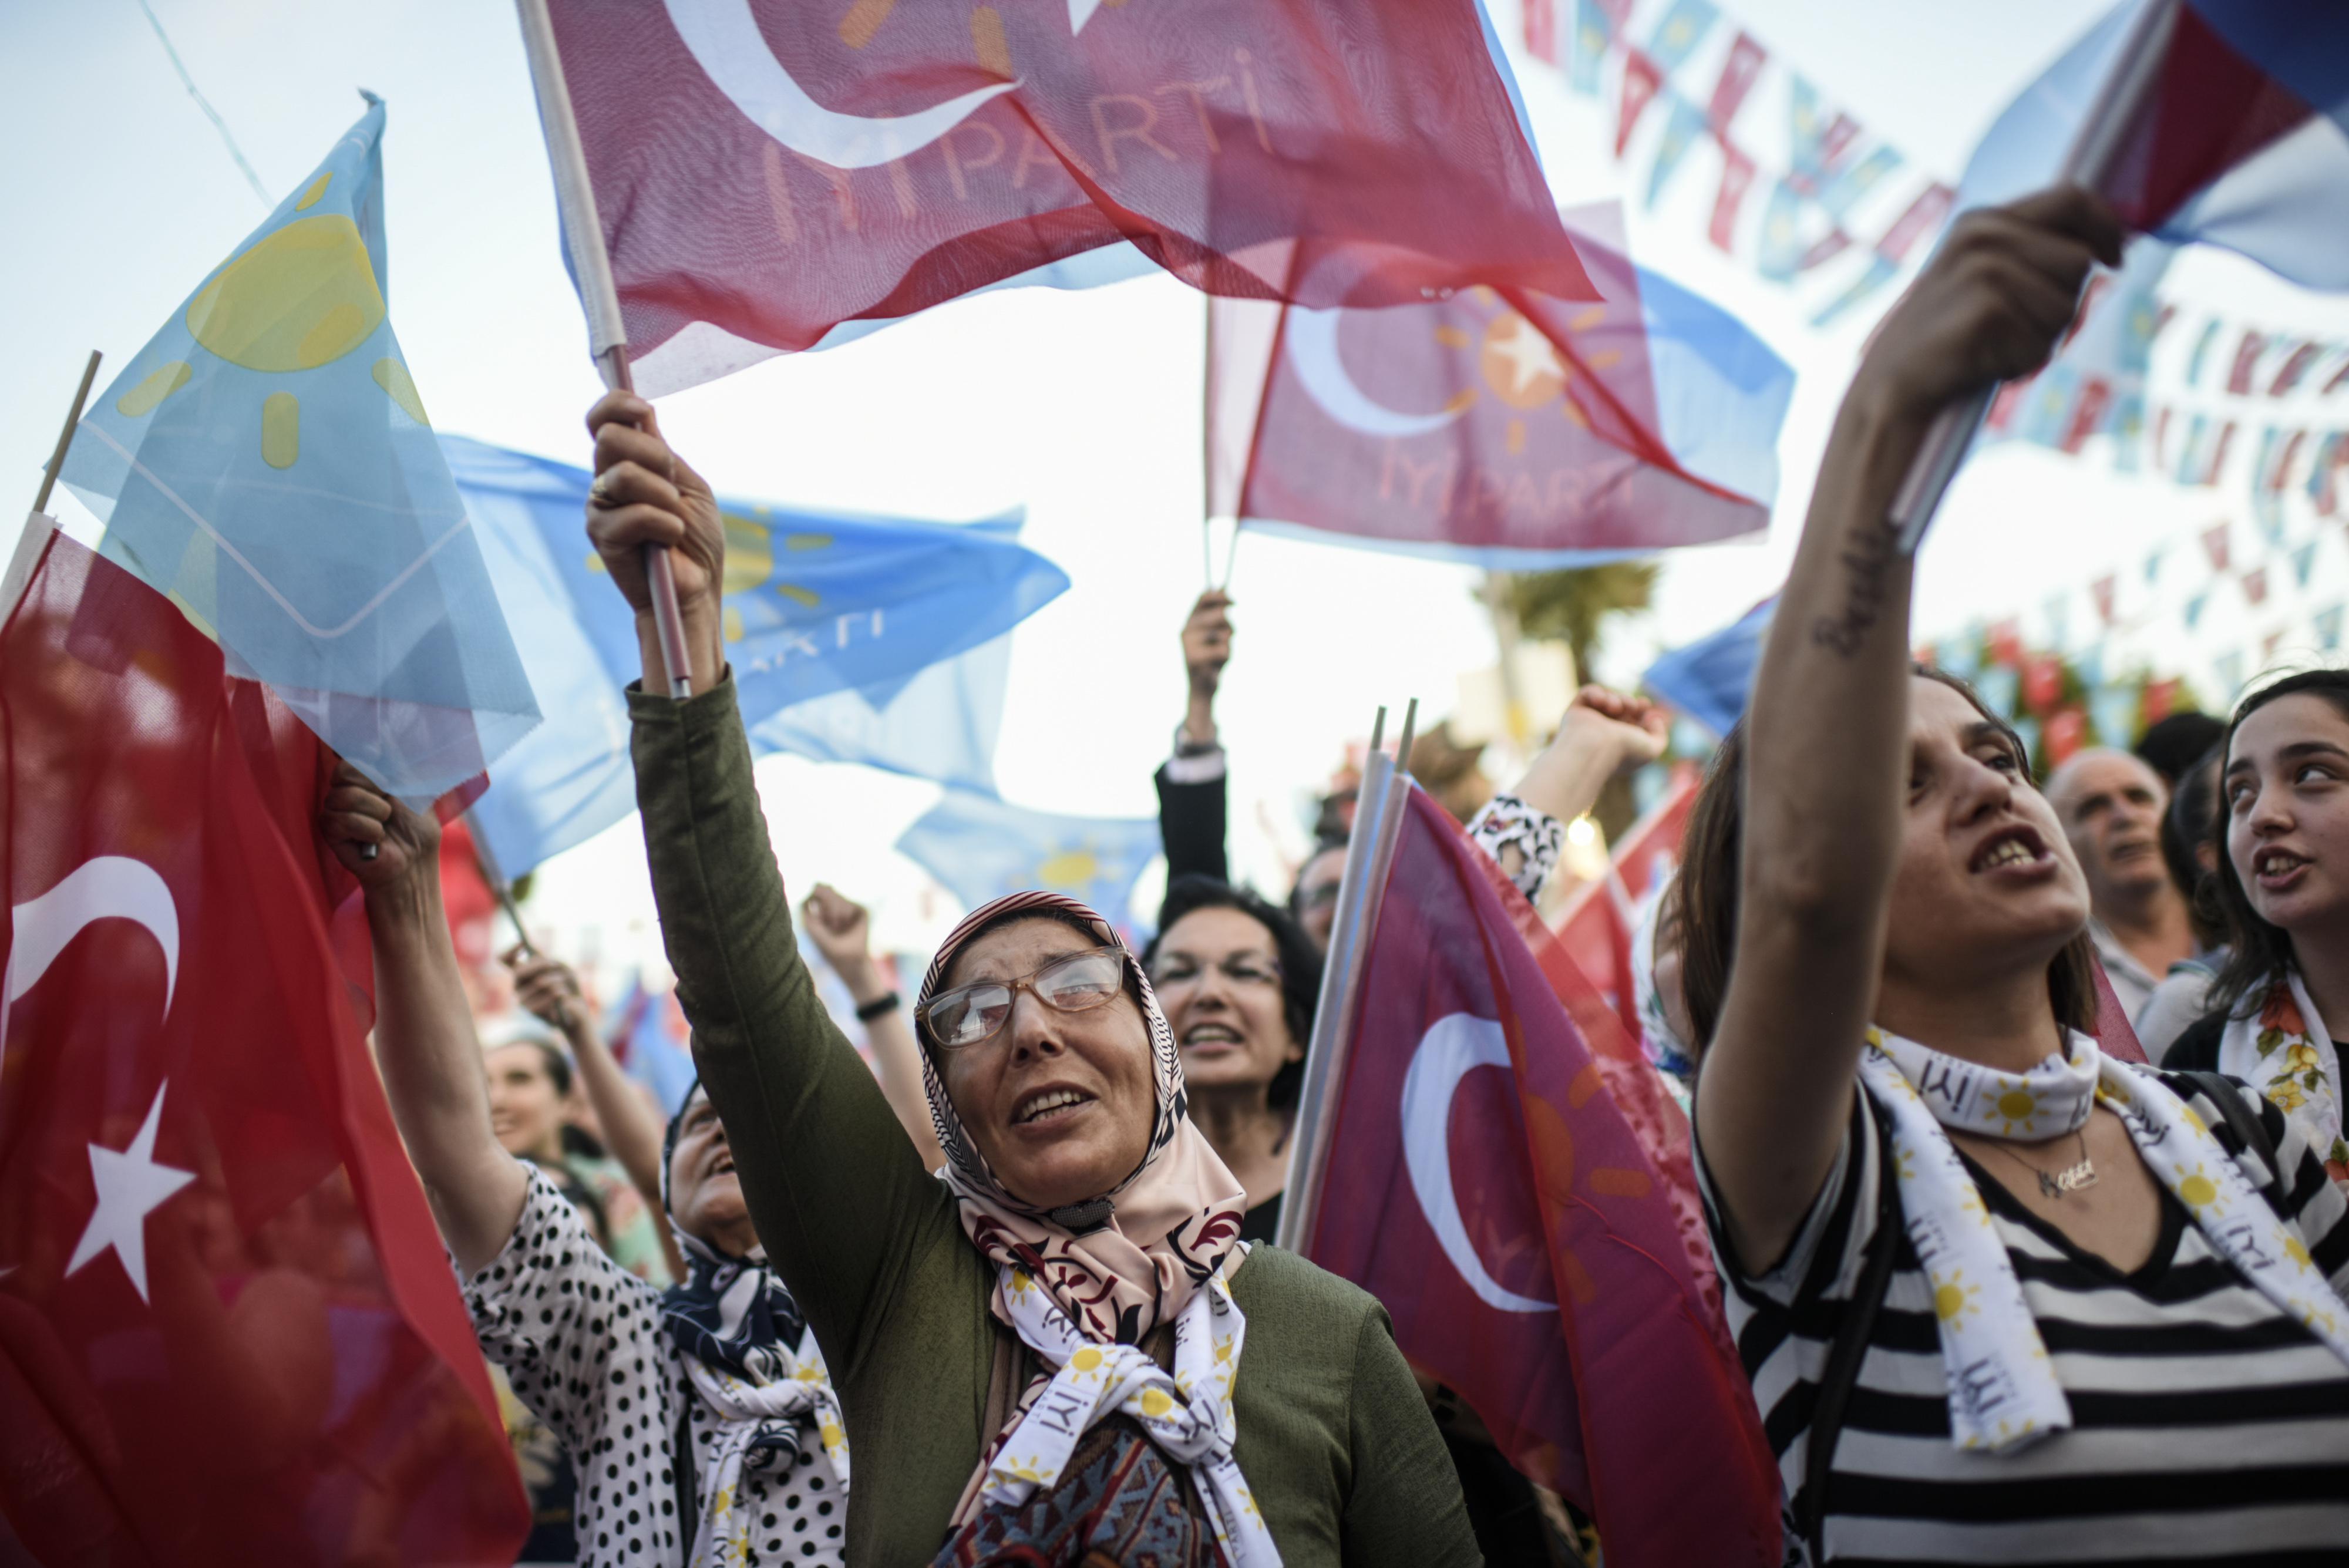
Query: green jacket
pixel 1335 1440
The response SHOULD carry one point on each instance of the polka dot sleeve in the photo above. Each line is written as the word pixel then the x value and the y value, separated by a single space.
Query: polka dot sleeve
pixel 578 1336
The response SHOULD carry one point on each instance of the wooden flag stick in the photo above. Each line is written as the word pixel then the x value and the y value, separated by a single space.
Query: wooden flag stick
pixel 485 860
pixel 65 436
pixel 590 264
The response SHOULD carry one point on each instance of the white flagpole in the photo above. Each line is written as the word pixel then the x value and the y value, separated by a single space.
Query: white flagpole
pixel 1369 858
pixel 2095 147
pixel 607 337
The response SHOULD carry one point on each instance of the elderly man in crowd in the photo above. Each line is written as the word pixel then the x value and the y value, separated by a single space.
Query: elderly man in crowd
pixel 2110 804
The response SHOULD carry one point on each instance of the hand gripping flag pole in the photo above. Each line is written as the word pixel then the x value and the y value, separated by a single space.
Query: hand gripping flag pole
pixel 1369 856
pixel 2095 152
pixel 591 268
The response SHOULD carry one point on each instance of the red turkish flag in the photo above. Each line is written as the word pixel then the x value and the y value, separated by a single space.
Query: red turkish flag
pixel 1509 1178
pixel 1596 928
pixel 228 1331
pixel 1491 420
pixel 764 170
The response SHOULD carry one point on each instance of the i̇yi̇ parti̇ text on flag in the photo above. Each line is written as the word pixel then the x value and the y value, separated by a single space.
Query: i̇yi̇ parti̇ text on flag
pixel 266 462
pixel 764 170
pixel 1499 425
pixel 228 1330
pixel 853 638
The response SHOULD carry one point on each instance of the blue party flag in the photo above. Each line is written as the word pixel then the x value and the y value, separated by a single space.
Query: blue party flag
pixel 1711 678
pixel 980 848
pixel 876 641
pixel 265 462
pixel 650 1037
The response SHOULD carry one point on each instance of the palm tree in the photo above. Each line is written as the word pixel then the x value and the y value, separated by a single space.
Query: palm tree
pixel 1572 606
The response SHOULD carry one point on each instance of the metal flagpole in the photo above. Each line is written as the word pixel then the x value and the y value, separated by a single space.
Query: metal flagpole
pixel 607 337
pixel 2095 147
pixel 1370 857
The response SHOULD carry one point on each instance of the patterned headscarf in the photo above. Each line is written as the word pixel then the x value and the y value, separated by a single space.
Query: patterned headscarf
pixel 1122 1262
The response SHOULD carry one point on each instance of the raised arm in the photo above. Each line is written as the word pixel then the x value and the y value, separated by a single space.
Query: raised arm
pixel 1192 804
pixel 548 989
pixel 1826 736
pixel 425 1045
pixel 834 1188
pixel 842 931
pixel 1604 732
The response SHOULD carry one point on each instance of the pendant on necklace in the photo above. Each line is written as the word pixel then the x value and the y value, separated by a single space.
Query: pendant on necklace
pixel 2071 1178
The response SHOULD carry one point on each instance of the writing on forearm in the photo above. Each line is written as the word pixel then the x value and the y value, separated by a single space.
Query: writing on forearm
pixel 1865 562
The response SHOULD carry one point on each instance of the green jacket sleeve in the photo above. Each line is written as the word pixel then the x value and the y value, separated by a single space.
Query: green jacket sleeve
pixel 1405 1506
pixel 838 1194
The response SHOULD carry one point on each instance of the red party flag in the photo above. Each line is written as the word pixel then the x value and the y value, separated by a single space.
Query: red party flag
pixel 764 170
pixel 2066 731
pixel 1498 420
pixel 1596 928
pixel 228 1331
pixel 1511 1194
pixel 2214 546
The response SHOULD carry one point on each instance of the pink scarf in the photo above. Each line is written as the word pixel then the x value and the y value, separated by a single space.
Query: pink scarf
pixel 1124 1263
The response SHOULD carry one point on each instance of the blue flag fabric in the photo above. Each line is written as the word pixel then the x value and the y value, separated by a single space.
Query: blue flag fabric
pixel 1711 678
pixel 265 462
pixel 654 1043
pixel 914 682
pixel 980 848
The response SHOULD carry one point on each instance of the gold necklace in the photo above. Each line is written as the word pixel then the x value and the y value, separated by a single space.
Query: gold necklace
pixel 2056 1184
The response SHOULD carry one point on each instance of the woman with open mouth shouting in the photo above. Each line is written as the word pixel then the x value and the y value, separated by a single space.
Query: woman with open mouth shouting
pixel 2283 842
pixel 2002 1298
pixel 1062 1351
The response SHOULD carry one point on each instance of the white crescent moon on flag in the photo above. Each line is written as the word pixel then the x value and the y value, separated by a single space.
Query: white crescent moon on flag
pixel 1452 1047
pixel 1310 339
pixel 112 886
pixel 725 41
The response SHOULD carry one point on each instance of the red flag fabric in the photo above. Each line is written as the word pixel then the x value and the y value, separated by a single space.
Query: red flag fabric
pixel 1498 1178
pixel 765 170
pixel 1493 420
pixel 228 1331
pixel 1596 928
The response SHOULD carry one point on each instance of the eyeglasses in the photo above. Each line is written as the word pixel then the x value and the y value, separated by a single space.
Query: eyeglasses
pixel 972 1014
pixel 1176 971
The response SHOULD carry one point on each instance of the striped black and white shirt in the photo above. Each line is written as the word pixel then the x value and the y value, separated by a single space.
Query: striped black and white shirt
pixel 2208 1427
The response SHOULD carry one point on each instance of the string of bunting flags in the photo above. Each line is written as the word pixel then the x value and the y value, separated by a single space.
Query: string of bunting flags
pixel 1843 211
pixel 2185 393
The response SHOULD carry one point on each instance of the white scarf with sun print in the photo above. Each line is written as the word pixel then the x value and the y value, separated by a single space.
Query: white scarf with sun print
pixel 1188 1415
pixel 2003 1395
pixel 2281 1048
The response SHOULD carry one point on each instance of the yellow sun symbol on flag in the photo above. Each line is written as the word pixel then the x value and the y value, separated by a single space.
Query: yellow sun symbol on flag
pixel 301 297
pixel 751 563
pixel 1519 365
pixel 1071 870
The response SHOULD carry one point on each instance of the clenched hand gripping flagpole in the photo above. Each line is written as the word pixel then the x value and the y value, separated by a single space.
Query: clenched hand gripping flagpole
pixel 1369 856
pixel 607 337
pixel 2095 150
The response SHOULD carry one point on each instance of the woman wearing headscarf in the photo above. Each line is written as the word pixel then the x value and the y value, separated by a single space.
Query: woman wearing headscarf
pixel 2283 888
pixel 1061 1351
pixel 2002 1298
pixel 700 1418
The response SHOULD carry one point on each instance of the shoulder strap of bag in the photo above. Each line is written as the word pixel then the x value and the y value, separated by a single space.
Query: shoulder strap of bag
pixel 1850 1347
pixel 2248 1130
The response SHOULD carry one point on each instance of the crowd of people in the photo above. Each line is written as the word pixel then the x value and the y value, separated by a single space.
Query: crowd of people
pixel 1011 1294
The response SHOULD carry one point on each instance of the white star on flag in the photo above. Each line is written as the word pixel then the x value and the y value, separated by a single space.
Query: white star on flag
pixel 131 1186
pixel 1530 355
